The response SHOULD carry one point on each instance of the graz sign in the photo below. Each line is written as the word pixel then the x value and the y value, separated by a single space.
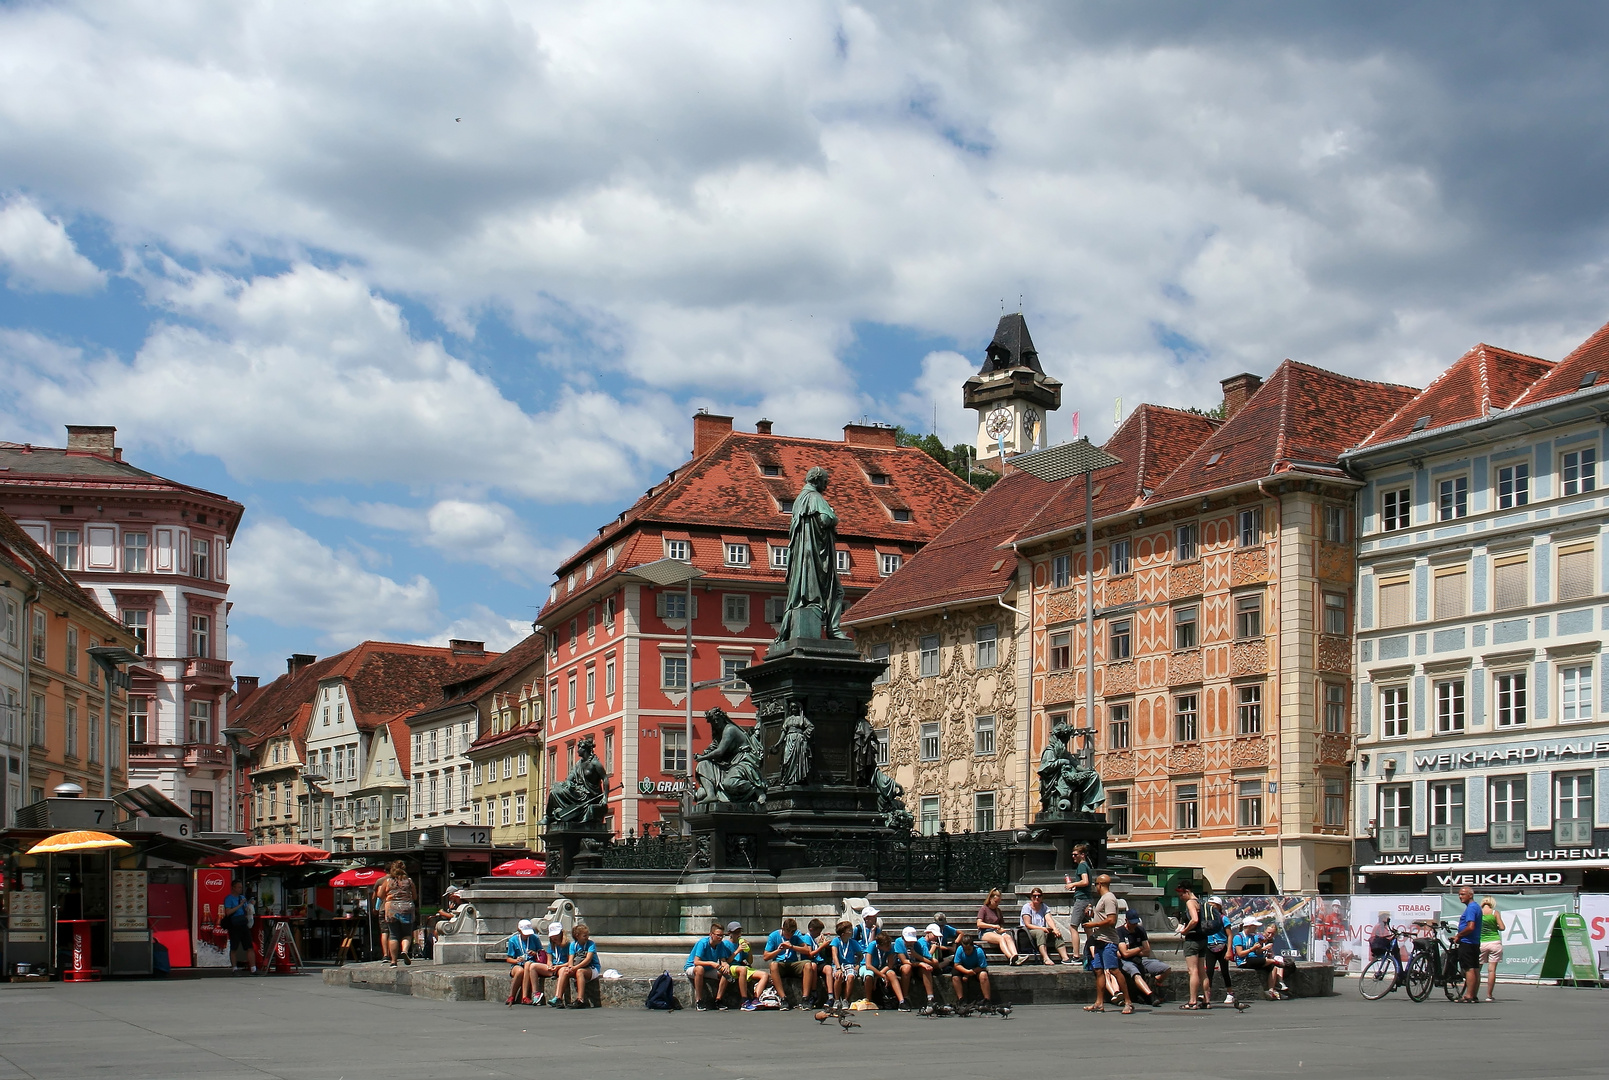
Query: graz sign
pixel 645 786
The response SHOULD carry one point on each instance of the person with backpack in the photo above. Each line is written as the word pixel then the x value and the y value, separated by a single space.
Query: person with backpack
pixel 1218 949
pixel 395 895
pixel 1254 949
pixel 1194 947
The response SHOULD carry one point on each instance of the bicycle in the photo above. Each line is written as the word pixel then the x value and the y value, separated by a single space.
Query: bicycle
pixel 1374 983
pixel 1434 963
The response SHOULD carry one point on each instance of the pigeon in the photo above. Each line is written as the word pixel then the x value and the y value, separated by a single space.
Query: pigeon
pixel 846 1023
pixel 821 1016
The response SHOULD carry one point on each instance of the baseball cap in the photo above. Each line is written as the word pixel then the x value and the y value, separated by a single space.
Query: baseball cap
pixel 940 917
pixel 1253 921
pixel 871 911
pixel 525 926
pixel 909 933
pixel 451 889
pixel 933 928
pixel 555 929
pixel 1134 915
pixel 1215 900
pixel 733 927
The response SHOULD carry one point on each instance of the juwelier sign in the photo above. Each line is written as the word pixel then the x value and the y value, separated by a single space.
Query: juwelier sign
pixel 1547 753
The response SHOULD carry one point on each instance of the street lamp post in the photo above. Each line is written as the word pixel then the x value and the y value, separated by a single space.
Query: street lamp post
pixel 664 573
pixel 1063 462
pixel 109 658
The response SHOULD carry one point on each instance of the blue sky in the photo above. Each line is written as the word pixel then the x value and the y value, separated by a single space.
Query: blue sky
pixel 434 290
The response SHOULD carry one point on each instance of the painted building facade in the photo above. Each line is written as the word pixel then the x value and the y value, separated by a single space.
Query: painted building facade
pixel 1482 683
pixel 154 552
pixel 618 666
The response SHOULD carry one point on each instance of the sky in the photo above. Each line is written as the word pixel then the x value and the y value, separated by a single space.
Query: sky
pixel 434 289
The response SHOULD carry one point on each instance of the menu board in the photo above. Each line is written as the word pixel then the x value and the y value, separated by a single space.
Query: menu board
pixel 28 910
pixel 128 900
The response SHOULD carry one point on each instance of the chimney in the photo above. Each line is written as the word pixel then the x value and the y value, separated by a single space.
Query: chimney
pixel 297 661
pixel 1238 390
pixel 462 647
pixel 93 439
pixel 762 427
pixel 880 435
pixel 709 429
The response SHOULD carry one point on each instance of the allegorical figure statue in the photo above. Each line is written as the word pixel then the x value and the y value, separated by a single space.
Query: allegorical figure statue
pixel 729 770
pixel 1065 782
pixel 797 731
pixel 815 596
pixel 579 797
pixel 864 752
pixel 891 802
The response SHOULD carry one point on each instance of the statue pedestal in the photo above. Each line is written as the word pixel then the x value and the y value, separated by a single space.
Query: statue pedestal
pixel 1048 854
pixel 735 836
pixel 568 851
pixel 827 679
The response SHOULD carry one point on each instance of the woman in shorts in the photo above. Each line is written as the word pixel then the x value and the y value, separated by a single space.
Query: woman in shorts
pixel 395 896
pixel 1491 954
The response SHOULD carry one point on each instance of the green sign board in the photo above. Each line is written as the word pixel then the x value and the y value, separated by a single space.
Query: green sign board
pixel 1569 953
pixel 1526 919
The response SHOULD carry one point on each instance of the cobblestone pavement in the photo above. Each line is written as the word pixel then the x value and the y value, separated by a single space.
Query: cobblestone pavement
pixel 297 1027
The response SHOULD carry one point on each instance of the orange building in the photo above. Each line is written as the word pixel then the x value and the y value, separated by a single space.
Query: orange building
pixel 56 726
pixel 1223 643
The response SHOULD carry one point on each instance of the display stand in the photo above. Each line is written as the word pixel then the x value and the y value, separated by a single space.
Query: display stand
pixel 277 951
pixel 1569 955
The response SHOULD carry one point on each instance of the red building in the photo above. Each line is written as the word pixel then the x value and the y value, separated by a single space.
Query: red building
pixel 618 666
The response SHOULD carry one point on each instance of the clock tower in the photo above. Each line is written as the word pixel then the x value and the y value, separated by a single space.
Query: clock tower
pixel 1011 394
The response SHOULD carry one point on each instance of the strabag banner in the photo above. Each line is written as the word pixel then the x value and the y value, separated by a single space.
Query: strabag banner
pixel 1342 925
pixel 1528 920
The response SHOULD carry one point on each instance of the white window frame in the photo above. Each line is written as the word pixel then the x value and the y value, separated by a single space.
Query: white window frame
pixel 1249 709
pixel 888 563
pixel 1396 510
pixel 1452 705
pixel 930 747
pixel 737 554
pixel 1187 806
pixel 1578 471
pixel 1452 498
pixel 983 811
pixel 985 642
pixel 930 656
pixel 679 550
pixel 1395 712
pixel 779 558
pixel 1507 811
pixel 1511 704
pixel 1575 693
pixel 1187 542
pixel 983 736
pixel 1060 571
pixel 1120 559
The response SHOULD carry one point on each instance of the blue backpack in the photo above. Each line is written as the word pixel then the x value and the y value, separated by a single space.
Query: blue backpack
pixel 662 995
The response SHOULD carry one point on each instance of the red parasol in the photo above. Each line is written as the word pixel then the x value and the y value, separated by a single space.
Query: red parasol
pixel 272 855
pixel 361 877
pixel 521 868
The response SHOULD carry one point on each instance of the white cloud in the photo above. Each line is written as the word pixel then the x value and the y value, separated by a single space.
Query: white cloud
pixel 284 575
pixel 481 623
pixel 464 530
pixel 310 376
pixel 38 254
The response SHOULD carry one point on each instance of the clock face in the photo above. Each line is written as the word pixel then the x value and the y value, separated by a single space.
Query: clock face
pixel 1030 426
pixel 998 424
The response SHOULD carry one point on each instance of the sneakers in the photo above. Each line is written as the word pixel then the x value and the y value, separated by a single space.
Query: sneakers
pixel 750 1005
pixel 1069 963
pixel 1229 999
pixel 406 959
pixel 539 999
pixel 723 1007
pixel 558 1003
pixel 699 1007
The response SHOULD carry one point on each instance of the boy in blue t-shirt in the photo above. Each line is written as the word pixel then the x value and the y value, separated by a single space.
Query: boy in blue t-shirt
pixel 883 961
pixel 524 947
pixel 823 957
pixel 969 964
pixel 1252 949
pixel 845 964
pixel 711 955
pixel 788 952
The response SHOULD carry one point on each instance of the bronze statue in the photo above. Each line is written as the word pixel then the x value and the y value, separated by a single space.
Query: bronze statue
pixel 864 751
pixel 815 600
pixel 1065 781
pixel 729 770
pixel 890 801
pixel 579 798
pixel 796 735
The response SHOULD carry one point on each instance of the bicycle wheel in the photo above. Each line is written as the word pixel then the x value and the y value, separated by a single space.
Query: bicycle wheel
pixel 1377 978
pixel 1453 982
pixel 1421 976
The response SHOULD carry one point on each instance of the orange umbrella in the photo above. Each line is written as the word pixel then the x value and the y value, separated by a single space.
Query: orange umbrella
pixel 68 843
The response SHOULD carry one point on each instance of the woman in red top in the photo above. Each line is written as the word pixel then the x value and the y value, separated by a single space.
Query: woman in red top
pixel 993 931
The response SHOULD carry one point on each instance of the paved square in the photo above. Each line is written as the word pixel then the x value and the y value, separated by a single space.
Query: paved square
pixel 298 1027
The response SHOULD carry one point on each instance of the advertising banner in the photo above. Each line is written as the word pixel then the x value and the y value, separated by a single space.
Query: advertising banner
pixel 1594 908
pixel 1291 917
pixel 1343 924
pixel 1528 920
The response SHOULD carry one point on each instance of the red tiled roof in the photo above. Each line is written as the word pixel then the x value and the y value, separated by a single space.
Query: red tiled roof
pixel 529 729
pixel 966 562
pixel 1150 443
pixel 532 649
pixel 725 491
pixel 1568 375
pixel 1302 418
pixel 1482 381
pixel 384 680
pixel 401 742
pixel 42 467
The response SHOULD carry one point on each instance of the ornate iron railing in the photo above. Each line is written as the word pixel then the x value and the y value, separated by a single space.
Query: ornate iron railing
pixel 649 853
pixel 945 862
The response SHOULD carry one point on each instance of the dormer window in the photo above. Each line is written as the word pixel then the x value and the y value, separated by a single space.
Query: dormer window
pixel 770 470
pixel 785 505
pixel 880 479
pixel 902 515
pixel 680 550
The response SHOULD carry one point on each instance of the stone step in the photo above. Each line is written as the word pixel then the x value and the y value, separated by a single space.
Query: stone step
pixel 1029 985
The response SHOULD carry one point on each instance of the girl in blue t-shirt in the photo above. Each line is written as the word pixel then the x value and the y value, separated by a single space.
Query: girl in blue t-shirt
pixel 581 964
pixel 845 964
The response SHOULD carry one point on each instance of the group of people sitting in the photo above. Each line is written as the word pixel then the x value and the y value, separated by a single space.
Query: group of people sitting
pixel 867 958
pixel 573 964
pixel 1212 941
